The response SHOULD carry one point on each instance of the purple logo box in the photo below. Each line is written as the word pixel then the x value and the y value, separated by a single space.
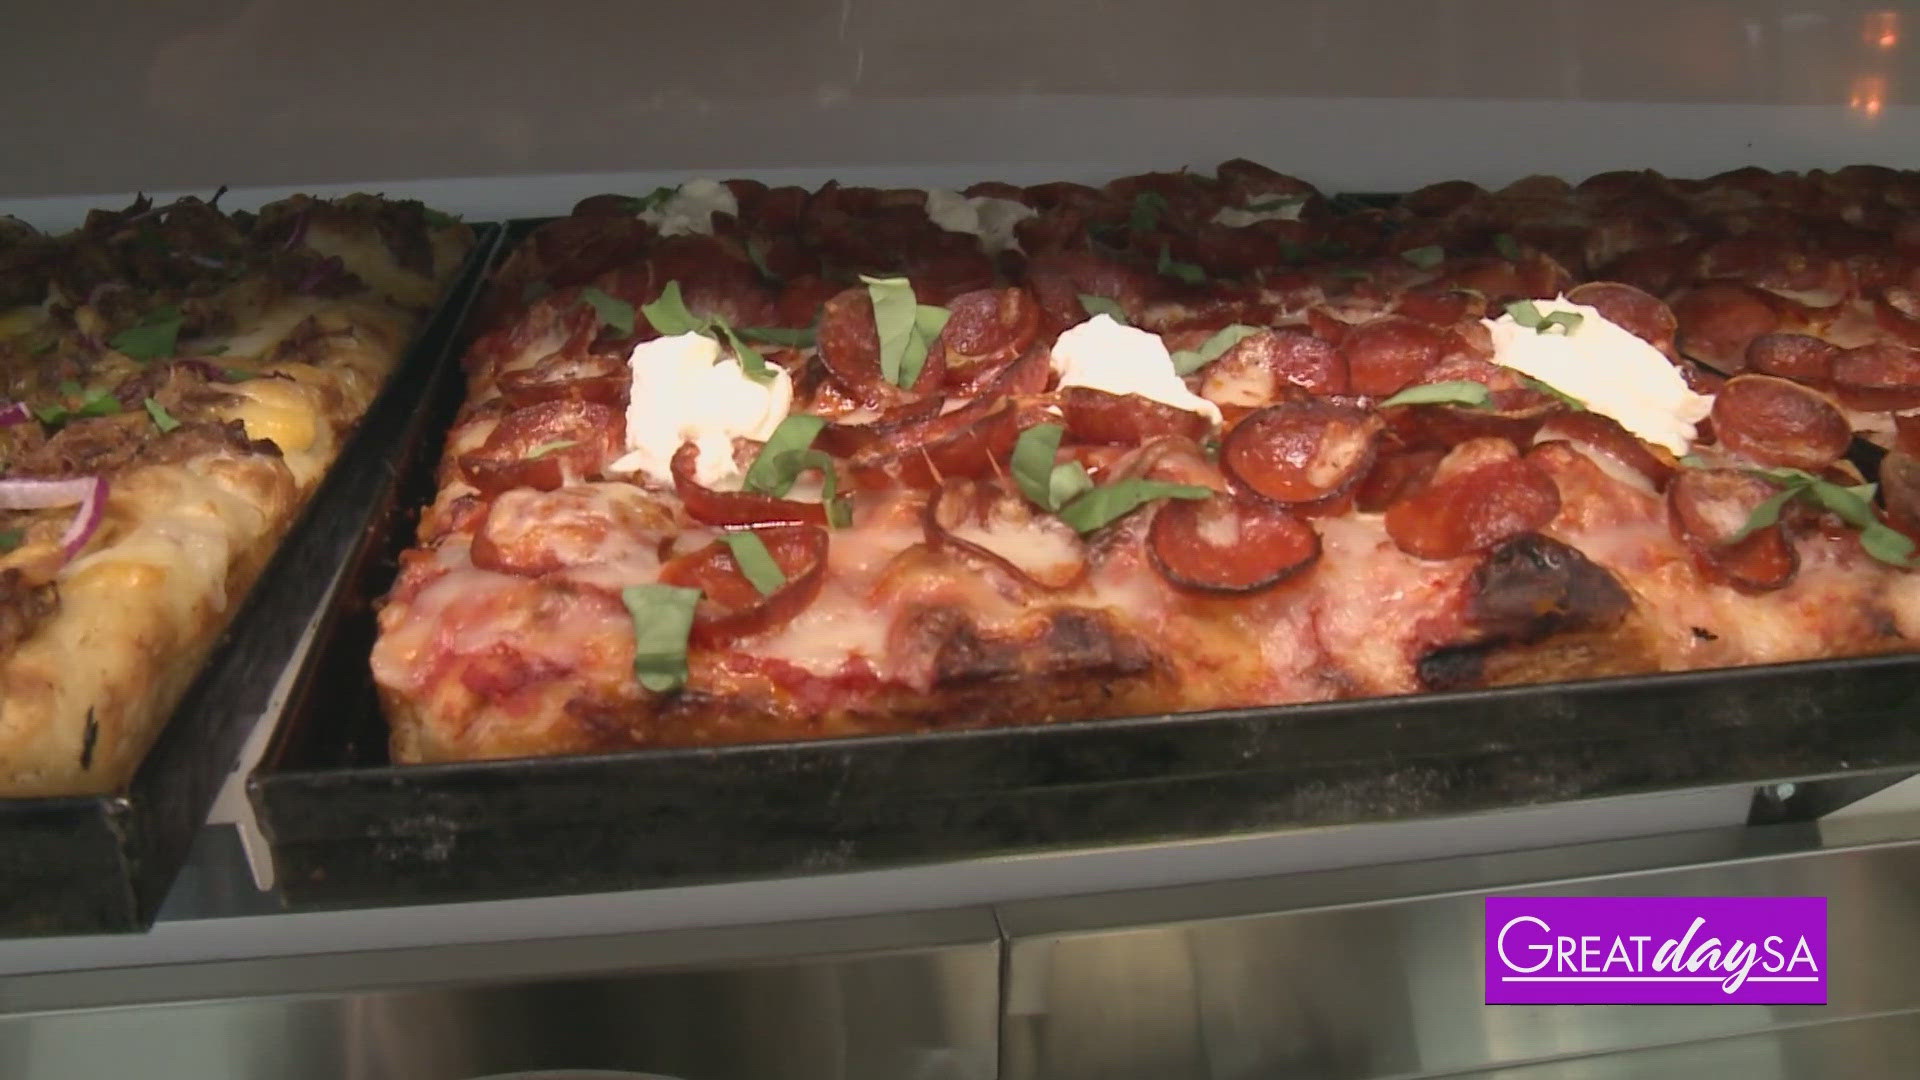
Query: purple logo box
pixel 1656 950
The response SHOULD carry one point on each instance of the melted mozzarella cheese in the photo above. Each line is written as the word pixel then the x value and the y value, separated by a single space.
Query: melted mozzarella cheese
pixel 691 208
pixel 684 392
pixel 1607 369
pixel 1235 217
pixel 1101 354
pixel 990 219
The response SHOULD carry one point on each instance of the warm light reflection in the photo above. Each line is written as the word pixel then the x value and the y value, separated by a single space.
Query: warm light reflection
pixel 1882 29
pixel 1868 95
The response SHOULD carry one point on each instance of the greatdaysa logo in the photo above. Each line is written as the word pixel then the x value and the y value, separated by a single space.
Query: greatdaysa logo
pixel 1653 950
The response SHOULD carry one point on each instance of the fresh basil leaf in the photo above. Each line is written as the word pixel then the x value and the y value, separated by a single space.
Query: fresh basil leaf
pixel 98 403
pixel 613 311
pixel 1032 463
pixel 662 619
pixel 1691 461
pixel 1553 391
pixel 779 335
pixel 668 313
pixel 652 200
pixel 1887 545
pixel 1183 271
pixel 1766 514
pixel 69 388
pixel 1067 482
pixel 752 363
pixel 1849 503
pixel 1147 208
pixel 1101 305
pixel 162 419
pixel 1282 203
pixel 1107 504
pixel 1425 258
pixel 899 320
pixel 50 414
pixel 759 260
pixel 1454 392
pixel 1188 361
pixel 153 337
pixel 1351 273
pixel 546 448
pixel 778 464
pixel 755 561
pixel 1568 321
pixel 12 538
pixel 440 219
pixel 235 374
pixel 929 320
pixel 1525 314
pixel 1507 246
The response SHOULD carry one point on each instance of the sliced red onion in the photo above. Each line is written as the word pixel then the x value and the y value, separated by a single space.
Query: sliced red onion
pixel 87 520
pixel 16 413
pixel 22 494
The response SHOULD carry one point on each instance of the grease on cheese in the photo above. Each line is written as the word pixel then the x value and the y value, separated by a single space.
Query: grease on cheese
pixel 1101 354
pixel 1607 369
pixel 990 219
pixel 691 208
pixel 684 391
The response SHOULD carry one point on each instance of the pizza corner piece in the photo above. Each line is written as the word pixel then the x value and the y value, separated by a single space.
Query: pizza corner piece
pixel 745 463
pixel 178 377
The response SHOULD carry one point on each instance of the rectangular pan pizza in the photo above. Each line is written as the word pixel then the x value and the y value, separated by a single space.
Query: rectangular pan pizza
pixel 177 380
pixel 745 464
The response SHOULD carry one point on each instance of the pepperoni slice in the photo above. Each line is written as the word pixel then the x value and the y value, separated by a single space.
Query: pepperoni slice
pixel 1709 507
pixel 538 532
pixel 1800 357
pixel 1229 544
pixel 1773 421
pixel 1301 452
pixel 1604 435
pixel 1438 200
pixel 986 330
pixel 1386 355
pixel 1394 474
pixel 1906 432
pixel 545 445
pixel 1095 416
pixel 1265 364
pixel 846 440
pixel 603 380
pixel 711 507
pixel 1441 307
pixel 1897 310
pixel 1473 510
pixel 971 441
pixel 1900 487
pixel 1879 377
pixel 850 347
pixel 997 529
pixel 1641 315
pixel 730 606
pixel 801 300
pixel 1719 320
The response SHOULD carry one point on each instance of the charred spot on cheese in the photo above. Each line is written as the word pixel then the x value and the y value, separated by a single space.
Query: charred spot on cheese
pixel 1528 589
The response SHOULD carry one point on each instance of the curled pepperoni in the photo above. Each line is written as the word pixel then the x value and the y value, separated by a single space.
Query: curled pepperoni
pixel 730 606
pixel 1653 269
pixel 1775 422
pixel 1719 320
pixel 1002 532
pixel 939 277
pixel 538 532
pixel 711 507
pixel 1095 416
pixel 1229 544
pixel 1474 509
pixel 971 441
pixel 846 440
pixel 1247 181
pixel 1710 507
pixel 1300 452
pixel 1604 435
pixel 1441 307
pixel 600 379
pixel 1395 473
pixel 1900 487
pixel 545 445
pixel 1263 365
pixel 1386 355
pixel 1437 200
pixel 801 300
pixel 986 330
pixel 1876 378
pixel 1641 315
pixel 850 347
pixel 1897 310
pixel 1906 432
pixel 1799 357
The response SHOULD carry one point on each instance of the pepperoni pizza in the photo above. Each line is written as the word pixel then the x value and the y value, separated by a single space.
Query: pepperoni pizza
pixel 743 463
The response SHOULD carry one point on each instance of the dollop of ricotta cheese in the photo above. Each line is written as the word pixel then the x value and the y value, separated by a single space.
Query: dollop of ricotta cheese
pixel 990 219
pixel 1606 368
pixel 1102 354
pixel 691 208
pixel 684 391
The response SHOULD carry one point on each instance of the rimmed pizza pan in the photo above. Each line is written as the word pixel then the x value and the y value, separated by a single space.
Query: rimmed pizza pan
pixel 347 827
pixel 101 864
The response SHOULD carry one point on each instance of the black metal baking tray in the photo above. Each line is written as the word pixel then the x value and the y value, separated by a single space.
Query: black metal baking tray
pixel 347 827
pixel 98 864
